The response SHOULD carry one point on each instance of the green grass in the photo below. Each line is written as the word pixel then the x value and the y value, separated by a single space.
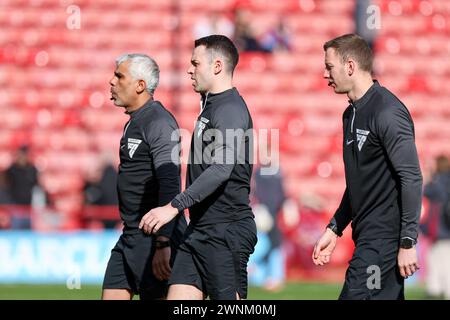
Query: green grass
pixel 292 291
pixel 48 292
pixel 315 291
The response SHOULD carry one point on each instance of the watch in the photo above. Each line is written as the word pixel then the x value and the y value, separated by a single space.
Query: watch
pixel 407 243
pixel 159 244
pixel 333 227
pixel 177 204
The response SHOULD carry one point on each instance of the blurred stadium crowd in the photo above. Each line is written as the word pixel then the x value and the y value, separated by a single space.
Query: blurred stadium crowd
pixel 59 132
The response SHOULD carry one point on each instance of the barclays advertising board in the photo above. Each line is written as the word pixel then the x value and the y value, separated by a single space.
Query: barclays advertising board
pixel 71 258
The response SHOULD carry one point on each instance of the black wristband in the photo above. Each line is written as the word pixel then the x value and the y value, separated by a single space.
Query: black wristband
pixel 334 228
pixel 176 204
pixel 159 244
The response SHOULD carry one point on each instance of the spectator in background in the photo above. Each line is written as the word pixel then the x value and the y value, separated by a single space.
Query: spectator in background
pixel 100 190
pixel 302 223
pixel 100 187
pixel 362 27
pixel 245 37
pixel 437 228
pixel 107 185
pixel 5 199
pixel 22 181
pixel 269 197
pixel 214 23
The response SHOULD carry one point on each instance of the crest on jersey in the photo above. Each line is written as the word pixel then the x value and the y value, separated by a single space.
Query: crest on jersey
pixel 133 144
pixel 361 137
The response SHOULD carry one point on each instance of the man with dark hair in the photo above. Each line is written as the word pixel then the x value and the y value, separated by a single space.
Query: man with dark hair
pixel 383 178
pixel 149 176
pixel 213 258
pixel 217 45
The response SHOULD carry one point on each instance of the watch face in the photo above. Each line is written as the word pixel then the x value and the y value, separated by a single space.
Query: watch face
pixel 407 243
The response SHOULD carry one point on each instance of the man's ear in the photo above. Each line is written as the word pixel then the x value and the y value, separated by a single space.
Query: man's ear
pixel 141 86
pixel 218 66
pixel 351 67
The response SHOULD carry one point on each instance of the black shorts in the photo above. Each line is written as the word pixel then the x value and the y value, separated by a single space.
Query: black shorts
pixel 214 258
pixel 373 272
pixel 130 264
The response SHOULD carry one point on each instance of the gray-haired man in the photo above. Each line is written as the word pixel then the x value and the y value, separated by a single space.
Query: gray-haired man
pixel 148 178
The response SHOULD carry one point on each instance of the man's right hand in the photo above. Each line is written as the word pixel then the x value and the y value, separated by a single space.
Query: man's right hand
pixel 324 248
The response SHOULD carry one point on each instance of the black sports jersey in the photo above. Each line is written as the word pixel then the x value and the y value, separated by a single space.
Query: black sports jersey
pixel 384 182
pixel 220 168
pixel 148 176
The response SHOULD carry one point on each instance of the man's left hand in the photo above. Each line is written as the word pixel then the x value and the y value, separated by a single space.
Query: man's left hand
pixel 152 221
pixel 407 262
pixel 160 264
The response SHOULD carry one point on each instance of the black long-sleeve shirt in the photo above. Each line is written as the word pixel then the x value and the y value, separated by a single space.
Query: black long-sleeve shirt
pixel 383 178
pixel 220 167
pixel 149 170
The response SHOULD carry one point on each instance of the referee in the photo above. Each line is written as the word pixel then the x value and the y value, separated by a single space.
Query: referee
pixel 212 260
pixel 148 178
pixel 382 199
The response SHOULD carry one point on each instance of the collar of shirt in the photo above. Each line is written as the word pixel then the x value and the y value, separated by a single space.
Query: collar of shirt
pixel 137 112
pixel 209 98
pixel 363 100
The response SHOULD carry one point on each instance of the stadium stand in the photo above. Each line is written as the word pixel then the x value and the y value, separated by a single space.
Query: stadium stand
pixel 55 91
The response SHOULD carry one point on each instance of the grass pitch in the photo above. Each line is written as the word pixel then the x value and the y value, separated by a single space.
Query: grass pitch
pixel 291 291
